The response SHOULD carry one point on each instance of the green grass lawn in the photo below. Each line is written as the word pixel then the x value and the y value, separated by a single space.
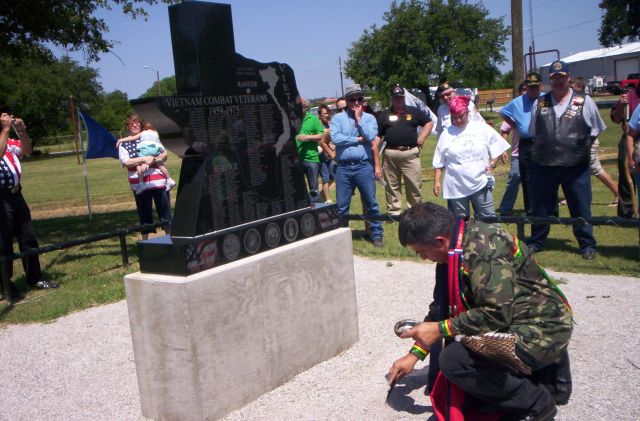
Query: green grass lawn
pixel 92 274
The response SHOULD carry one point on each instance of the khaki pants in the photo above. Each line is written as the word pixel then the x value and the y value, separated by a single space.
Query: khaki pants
pixel 397 166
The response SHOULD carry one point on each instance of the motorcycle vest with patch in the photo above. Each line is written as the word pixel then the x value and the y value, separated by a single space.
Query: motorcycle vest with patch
pixel 564 141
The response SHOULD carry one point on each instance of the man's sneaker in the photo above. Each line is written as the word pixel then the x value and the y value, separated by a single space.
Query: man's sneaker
pixel 377 242
pixel 170 184
pixel 546 414
pixel 588 255
pixel 46 285
pixel 17 296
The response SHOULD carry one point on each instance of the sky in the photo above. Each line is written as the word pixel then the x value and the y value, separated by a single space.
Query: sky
pixel 310 36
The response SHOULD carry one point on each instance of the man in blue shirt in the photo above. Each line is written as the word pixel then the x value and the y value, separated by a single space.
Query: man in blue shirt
pixel 352 132
pixel 634 131
pixel 518 114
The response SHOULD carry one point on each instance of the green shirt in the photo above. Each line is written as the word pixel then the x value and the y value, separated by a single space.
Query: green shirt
pixel 308 150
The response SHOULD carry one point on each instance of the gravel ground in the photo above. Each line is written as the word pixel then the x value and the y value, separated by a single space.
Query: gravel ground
pixel 81 367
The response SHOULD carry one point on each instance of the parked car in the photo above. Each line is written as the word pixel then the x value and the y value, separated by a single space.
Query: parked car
pixel 617 86
pixel 632 79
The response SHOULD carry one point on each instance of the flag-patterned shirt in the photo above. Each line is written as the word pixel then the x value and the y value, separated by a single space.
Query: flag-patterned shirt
pixel 10 171
pixel 152 177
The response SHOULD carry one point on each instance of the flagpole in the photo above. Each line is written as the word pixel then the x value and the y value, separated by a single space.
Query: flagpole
pixel 84 162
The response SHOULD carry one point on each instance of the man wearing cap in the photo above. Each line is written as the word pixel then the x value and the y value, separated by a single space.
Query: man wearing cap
pixel 398 127
pixel 311 133
pixel 15 217
pixel 517 114
pixel 446 93
pixel 564 124
pixel 352 132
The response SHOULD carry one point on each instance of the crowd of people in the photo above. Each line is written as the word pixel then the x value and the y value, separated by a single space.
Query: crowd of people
pixel 553 143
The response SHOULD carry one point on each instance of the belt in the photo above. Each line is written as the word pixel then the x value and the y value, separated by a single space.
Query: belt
pixel 400 148
pixel 353 162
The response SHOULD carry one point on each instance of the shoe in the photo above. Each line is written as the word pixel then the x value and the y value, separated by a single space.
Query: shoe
pixel 46 285
pixel 170 184
pixel 534 249
pixel 545 414
pixel 17 296
pixel 563 202
pixel 614 203
pixel 588 255
pixel 377 242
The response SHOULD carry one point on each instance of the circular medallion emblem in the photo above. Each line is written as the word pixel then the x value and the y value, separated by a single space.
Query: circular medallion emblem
pixel 272 235
pixel 290 229
pixel 307 224
pixel 231 247
pixel 252 241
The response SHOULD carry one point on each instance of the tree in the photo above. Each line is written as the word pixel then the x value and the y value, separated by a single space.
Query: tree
pixel 167 87
pixel 114 109
pixel 423 42
pixel 28 25
pixel 621 21
pixel 39 92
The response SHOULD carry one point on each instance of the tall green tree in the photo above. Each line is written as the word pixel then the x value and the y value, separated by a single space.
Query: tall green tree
pixel 621 21
pixel 167 87
pixel 39 92
pixel 29 25
pixel 113 110
pixel 423 42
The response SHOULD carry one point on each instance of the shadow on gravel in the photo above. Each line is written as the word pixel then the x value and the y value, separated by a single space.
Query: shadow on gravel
pixel 400 399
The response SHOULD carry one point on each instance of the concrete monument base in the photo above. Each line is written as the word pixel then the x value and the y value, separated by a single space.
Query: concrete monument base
pixel 212 342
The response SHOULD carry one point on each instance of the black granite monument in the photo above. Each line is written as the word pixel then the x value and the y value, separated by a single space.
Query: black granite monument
pixel 242 187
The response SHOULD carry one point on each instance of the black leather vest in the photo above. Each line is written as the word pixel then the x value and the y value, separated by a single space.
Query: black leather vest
pixel 563 142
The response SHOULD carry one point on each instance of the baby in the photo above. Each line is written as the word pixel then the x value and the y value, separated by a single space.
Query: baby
pixel 149 145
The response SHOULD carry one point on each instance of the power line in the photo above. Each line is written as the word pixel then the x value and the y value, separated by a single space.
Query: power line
pixel 568 27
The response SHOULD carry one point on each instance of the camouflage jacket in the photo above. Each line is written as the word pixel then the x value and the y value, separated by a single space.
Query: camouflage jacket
pixel 508 292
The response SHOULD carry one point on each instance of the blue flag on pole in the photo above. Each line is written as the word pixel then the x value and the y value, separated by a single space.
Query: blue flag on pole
pixel 102 144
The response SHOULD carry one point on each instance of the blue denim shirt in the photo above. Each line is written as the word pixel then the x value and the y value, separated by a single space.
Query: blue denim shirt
pixel 344 135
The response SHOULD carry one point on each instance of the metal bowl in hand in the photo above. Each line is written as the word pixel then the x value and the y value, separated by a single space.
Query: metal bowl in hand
pixel 404 325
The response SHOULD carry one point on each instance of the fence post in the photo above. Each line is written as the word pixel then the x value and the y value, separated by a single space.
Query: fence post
pixel 123 248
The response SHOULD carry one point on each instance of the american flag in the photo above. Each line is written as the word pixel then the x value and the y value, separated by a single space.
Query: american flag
pixel 10 170
pixel 153 177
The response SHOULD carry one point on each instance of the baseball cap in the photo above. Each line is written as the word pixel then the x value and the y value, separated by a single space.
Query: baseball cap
pixel 533 79
pixel 353 90
pixel 397 90
pixel 444 86
pixel 558 67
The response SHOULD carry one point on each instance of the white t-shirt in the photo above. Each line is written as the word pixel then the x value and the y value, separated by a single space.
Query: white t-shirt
pixel 464 154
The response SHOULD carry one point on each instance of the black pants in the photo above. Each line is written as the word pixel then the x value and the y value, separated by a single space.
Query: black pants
pixel 625 190
pixel 491 384
pixel 15 222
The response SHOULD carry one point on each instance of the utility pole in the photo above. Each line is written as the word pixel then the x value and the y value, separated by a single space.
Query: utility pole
pixel 533 44
pixel 517 55
pixel 157 78
pixel 341 82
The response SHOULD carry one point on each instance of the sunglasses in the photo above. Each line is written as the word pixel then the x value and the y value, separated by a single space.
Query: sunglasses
pixel 357 99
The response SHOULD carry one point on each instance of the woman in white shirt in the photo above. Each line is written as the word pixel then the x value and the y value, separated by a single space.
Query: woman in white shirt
pixel 466 152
